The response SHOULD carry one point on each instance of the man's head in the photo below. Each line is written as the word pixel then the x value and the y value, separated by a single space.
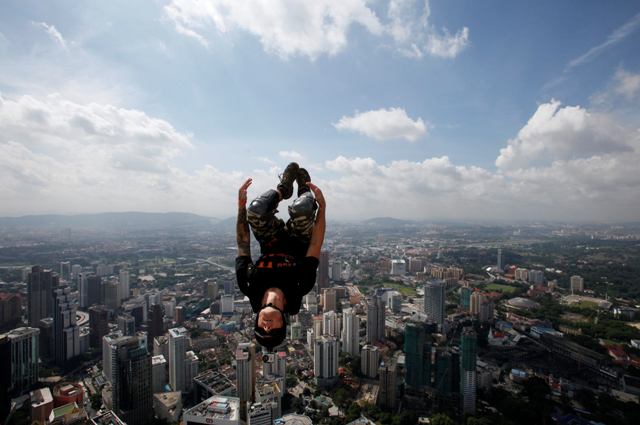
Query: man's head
pixel 270 327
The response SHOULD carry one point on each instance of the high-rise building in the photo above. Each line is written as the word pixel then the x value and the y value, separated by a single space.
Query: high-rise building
pixel 66 333
pixel 499 262
pixel 111 294
pixel 295 331
pixel 375 319
pixel 387 385
pixel 10 310
pixel 329 299
pixel 465 298
pixel 216 410
pixel 156 321
pixel 123 280
pixel 212 290
pixel 127 324
pixel 522 274
pixel 83 289
pixel 269 394
pixel 398 267
pixel 107 353
pixel 395 301
pixel 158 373
pixel 331 324
pixel 226 304
pixel 351 333
pixel 94 289
pixel 177 358
pixel 434 299
pixel 416 265
pixel 76 269
pixel 577 284
pixel 40 286
pixel 336 270
pixel 99 324
pixel 446 369
pixel 325 360
pixel 192 367
pixel 131 383
pixel 21 349
pixel 468 358
pixel 536 277
pixel 369 361
pixel 323 271
pixel 414 350
pixel 259 414
pixel 245 375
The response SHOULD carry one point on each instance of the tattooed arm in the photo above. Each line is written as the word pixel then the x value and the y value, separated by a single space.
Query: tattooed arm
pixel 242 226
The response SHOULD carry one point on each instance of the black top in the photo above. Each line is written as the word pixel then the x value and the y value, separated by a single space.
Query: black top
pixel 274 270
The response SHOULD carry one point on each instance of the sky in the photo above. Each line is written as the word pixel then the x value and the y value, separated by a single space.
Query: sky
pixel 429 110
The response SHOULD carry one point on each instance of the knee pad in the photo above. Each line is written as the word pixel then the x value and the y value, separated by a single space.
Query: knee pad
pixel 303 207
pixel 264 204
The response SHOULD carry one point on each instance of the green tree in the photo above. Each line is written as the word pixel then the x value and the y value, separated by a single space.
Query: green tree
pixel 441 419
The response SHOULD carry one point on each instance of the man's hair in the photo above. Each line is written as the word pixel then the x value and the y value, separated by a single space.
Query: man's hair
pixel 274 337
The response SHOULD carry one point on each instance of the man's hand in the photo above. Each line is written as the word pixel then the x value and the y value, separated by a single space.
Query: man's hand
pixel 242 193
pixel 318 194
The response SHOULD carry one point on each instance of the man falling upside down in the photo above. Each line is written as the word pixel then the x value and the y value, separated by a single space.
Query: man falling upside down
pixel 289 252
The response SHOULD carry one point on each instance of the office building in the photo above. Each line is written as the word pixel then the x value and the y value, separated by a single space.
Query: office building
pixel 522 274
pixel 126 324
pixel 40 298
pixel 336 270
pixel 331 324
pixel 269 393
pixel 107 342
pixel 158 373
pixel 66 333
pixel 123 280
pixel 10 310
pixel 329 299
pixel 499 260
pixel 155 324
pixel 536 277
pixel 20 348
pixel 212 290
pixel 226 304
pixel 369 361
pixel 177 358
pixel 41 406
pixel 325 360
pixel 111 294
pixel 465 298
pixel 468 358
pixel 415 343
pixel 395 302
pixel 295 331
pixel 434 301
pixel 577 284
pixel 94 291
pixel 83 289
pixel 416 265
pixel 259 414
pixel 322 278
pixel 192 365
pixel 99 325
pixel 131 382
pixel 216 410
pixel 398 267
pixel 375 320
pixel 76 269
pixel 387 397
pixel 351 333
pixel 168 406
pixel 245 375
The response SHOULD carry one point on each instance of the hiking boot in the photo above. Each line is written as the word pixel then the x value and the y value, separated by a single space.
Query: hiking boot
pixel 301 179
pixel 285 187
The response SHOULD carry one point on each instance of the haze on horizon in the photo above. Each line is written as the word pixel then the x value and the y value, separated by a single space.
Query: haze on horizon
pixel 411 109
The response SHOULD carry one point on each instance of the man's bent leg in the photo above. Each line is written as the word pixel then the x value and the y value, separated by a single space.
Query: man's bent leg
pixel 303 213
pixel 261 216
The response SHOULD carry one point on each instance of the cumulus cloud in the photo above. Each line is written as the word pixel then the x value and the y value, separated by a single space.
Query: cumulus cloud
pixel 53 33
pixel 291 155
pixel 384 124
pixel 560 133
pixel 293 28
pixel 627 84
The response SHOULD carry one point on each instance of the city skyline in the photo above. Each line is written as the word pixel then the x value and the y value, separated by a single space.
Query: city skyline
pixel 416 110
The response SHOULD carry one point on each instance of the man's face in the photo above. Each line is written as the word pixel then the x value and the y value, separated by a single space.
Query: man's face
pixel 270 318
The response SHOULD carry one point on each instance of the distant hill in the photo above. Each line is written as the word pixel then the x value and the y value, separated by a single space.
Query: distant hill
pixel 120 220
pixel 388 222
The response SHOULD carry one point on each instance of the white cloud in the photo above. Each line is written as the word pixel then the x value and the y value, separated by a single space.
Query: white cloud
pixel 560 133
pixel 314 28
pixel 53 33
pixel 291 155
pixel 627 83
pixel 384 124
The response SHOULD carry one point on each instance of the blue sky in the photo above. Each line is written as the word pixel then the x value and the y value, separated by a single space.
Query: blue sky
pixel 412 100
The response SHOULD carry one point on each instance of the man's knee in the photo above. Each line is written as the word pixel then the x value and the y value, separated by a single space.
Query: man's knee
pixel 304 206
pixel 263 204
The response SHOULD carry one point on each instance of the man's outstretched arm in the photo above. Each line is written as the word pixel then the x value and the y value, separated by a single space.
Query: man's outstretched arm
pixel 317 236
pixel 243 238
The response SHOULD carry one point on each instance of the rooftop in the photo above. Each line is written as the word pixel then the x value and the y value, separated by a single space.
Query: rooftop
pixel 215 407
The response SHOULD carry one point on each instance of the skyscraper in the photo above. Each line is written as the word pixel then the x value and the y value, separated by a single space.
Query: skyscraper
pixel 331 324
pixel 21 346
pixel 131 384
pixel 434 301
pixel 369 361
pixel 577 284
pixel 99 324
pixel 66 333
pixel 111 294
pixel 323 271
pixel 156 321
pixel 245 375
pixel 468 358
pixel 83 289
pixel 107 353
pixel 499 262
pixel 375 319
pixel 260 414
pixel 177 358
pixel 40 286
pixel 351 333
pixel 124 284
pixel 329 299
pixel 387 385
pixel 414 342
pixel 127 324
pixel 94 289
pixel 325 360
